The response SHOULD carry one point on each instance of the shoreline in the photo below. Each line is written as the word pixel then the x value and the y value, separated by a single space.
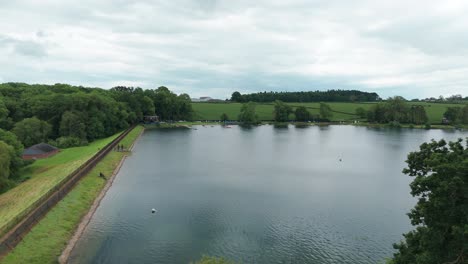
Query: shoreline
pixel 188 125
pixel 84 222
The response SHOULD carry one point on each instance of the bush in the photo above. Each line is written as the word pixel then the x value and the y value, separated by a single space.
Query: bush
pixel 394 124
pixel 427 126
pixel 68 142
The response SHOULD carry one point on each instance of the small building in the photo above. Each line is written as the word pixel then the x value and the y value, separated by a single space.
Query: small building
pixel 151 119
pixel 39 151
pixel 202 99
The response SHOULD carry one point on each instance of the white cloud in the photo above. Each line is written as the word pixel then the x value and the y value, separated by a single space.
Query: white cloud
pixel 215 47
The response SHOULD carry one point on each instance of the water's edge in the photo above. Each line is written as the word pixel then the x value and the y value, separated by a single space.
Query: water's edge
pixel 89 215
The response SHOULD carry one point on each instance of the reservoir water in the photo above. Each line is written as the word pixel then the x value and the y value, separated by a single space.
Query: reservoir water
pixel 259 195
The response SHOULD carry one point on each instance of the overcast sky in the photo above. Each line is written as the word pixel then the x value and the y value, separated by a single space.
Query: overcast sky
pixel 210 47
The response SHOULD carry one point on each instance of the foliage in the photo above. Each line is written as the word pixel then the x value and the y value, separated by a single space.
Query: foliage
pixel 311 96
pixel 3 109
pixel 169 106
pixel 31 131
pixel 16 162
pixel 361 112
pixel 213 260
pixel 441 216
pixel 6 155
pixel 73 115
pixel 68 142
pixel 396 109
pixel 325 111
pixel 247 115
pixel 302 114
pixel 457 115
pixel 281 111
pixel 72 125
pixel 224 117
pixel 236 97
pixel 417 115
pixel 341 111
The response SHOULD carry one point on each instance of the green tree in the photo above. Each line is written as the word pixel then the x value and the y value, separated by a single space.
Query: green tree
pixel 247 114
pixel 72 125
pixel 236 97
pixel 325 111
pixel 361 112
pixel 281 111
pixel 3 109
pixel 31 131
pixel 453 114
pixel 16 162
pixel 6 156
pixel 302 114
pixel 463 116
pixel 417 115
pixel 147 106
pixel 440 215
pixel 224 117
pixel 396 109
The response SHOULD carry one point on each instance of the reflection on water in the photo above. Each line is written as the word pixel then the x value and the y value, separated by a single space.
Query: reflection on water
pixel 258 195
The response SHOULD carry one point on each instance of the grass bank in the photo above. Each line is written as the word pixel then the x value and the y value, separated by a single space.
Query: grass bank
pixel 43 175
pixel 341 111
pixel 45 242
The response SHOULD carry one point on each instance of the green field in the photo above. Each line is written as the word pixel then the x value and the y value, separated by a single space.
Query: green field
pixel 341 111
pixel 45 242
pixel 44 175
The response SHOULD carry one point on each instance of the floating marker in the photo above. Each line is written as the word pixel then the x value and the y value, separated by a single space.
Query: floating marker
pixel 153 210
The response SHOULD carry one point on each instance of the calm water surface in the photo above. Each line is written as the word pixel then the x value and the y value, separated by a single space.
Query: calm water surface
pixel 261 195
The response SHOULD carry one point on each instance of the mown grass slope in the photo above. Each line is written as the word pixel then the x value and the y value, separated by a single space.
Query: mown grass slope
pixel 44 175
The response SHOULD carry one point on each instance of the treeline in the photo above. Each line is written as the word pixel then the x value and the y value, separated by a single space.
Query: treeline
pixel 395 110
pixel 67 116
pixel 311 96
pixel 456 115
pixel 282 112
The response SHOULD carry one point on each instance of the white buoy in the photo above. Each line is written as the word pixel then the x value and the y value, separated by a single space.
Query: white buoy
pixel 153 210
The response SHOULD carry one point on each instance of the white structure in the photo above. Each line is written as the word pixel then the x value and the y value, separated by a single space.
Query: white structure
pixel 202 99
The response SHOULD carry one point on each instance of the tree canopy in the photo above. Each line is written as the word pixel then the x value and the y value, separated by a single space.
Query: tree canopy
pixel 457 115
pixel 281 111
pixel 302 114
pixel 325 111
pixel 68 116
pixel 247 115
pixel 31 131
pixel 397 109
pixel 441 213
pixel 310 96
pixel 6 155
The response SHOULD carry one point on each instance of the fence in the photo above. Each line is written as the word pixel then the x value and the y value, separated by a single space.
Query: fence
pixel 14 231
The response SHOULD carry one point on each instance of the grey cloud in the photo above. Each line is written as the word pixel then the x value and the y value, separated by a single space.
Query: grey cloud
pixel 219 45
pixel 24 47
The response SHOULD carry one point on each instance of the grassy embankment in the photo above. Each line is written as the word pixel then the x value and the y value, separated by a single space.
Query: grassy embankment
pixel 45 242
pixel 341 111
pixel 43 176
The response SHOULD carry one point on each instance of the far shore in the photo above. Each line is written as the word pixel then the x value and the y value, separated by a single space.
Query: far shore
pixel 189 124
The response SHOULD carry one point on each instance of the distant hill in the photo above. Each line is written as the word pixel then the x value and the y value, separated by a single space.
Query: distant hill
pixel 310 96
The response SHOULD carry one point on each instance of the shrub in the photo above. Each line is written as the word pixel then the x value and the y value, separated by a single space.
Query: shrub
pixel 68 142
